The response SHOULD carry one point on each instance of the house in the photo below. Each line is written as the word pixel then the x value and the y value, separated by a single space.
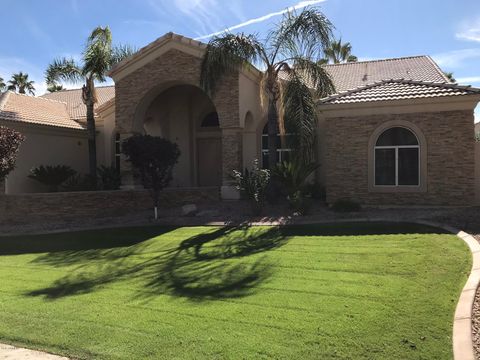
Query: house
pixel 397 131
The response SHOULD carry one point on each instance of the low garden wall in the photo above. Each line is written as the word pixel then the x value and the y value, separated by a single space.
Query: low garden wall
pixel 68 206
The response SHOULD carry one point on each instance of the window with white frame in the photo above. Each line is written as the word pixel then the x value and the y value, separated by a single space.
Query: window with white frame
pixel 283 153
pixel 397 158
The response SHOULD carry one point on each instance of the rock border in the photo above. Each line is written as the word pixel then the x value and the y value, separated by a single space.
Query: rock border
pixel 462 337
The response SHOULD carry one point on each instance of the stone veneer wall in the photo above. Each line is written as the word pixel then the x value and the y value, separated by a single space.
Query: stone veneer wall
pixel 450 159
pixel 67 206
pixel 174 68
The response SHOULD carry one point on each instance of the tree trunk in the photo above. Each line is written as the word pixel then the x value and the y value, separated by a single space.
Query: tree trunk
pixel 272 117
pixel 89 100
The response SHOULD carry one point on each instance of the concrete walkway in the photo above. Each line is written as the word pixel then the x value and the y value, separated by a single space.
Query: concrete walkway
pixel 9 352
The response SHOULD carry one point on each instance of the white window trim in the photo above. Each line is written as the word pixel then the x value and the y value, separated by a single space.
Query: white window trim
pixel 423 151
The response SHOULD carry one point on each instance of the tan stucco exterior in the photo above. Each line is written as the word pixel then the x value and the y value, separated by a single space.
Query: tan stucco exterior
pixel 45 145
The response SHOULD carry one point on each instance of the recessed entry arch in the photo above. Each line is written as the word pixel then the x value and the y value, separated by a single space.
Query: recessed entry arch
pixel 185 115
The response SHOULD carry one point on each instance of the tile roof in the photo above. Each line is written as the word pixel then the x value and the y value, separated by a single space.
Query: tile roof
pixel 35 110
pixel 347 76
pixel 73 99
pixel 399 89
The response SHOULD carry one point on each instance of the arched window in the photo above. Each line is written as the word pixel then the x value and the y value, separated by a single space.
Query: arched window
pixel 210 120
pixel 283 153
pixel 397 158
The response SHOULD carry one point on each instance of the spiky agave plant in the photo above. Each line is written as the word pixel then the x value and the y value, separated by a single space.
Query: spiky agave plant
pixel 292 78
pixel 98 58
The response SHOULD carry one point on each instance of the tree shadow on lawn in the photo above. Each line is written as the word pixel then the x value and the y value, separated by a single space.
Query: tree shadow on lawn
pixel 74 243
pixel 211 265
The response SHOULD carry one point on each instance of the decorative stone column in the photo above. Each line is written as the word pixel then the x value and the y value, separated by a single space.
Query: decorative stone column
pixel 231 160
pixel 129 182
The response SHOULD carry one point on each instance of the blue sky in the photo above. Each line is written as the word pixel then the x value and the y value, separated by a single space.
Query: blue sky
pixel 38 31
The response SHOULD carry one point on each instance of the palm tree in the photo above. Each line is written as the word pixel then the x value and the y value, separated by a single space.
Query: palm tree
pixel 2 84
pixel 291 77
pixel 450 76
pixel 54 88
pixel 20 83
pixel 98 58
pixel 339 53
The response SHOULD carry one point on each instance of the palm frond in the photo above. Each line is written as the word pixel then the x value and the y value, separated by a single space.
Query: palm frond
pixel 352 58
pixel 339 52
pixel 121 52
pixel 308 33
pixel 312 74
pixel 98 54
pixel 300 117
pixel 20 83
pixel 63 69
pixel 226 54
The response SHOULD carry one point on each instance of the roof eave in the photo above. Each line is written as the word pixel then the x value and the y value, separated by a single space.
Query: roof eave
pixel 186 42
pixel 467 99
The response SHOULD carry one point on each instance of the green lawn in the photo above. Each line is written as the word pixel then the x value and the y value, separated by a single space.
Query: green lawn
pixel 347 291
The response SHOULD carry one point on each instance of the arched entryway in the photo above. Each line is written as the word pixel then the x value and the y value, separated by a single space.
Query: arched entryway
pixel 184 114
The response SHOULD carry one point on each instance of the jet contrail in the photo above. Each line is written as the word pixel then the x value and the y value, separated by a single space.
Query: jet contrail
pixel 299 5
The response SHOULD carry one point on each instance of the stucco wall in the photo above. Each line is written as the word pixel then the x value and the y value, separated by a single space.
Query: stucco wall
pixel 252 117
pixel 45 146
pixel 107 133
pixel 450 158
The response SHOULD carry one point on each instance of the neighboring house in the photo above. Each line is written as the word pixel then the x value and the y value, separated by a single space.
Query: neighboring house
pixel 396 132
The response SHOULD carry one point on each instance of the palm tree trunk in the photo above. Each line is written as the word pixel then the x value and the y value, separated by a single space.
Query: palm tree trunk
pixel 89 100
pixel 92 146
pixel 272 117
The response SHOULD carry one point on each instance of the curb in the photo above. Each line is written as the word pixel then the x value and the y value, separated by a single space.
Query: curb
pixel 462 337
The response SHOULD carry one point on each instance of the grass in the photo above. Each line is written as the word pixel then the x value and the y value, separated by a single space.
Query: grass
pixel 351 291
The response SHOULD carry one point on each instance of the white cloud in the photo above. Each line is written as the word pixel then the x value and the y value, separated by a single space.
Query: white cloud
pixel 299 5
pixel 469 30
pixel 467 80
pixel 455 58
pixel 202 14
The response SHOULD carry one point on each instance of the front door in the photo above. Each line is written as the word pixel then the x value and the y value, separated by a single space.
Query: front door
pixel 209 161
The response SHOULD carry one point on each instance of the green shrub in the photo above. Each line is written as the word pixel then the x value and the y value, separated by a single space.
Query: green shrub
pixel 293 176
pixel 78 182
pixel 253 184
pixel 52 176
pixel 346 205
pixel 108 178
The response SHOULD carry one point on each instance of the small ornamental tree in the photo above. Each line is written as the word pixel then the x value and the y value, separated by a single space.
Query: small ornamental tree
pixel 154 158
pixel 10 141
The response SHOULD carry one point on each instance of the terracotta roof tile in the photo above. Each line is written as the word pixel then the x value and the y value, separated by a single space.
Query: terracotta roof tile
pixel 73 98
pixel 399 89
pixel 35 110
pixel 347 76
